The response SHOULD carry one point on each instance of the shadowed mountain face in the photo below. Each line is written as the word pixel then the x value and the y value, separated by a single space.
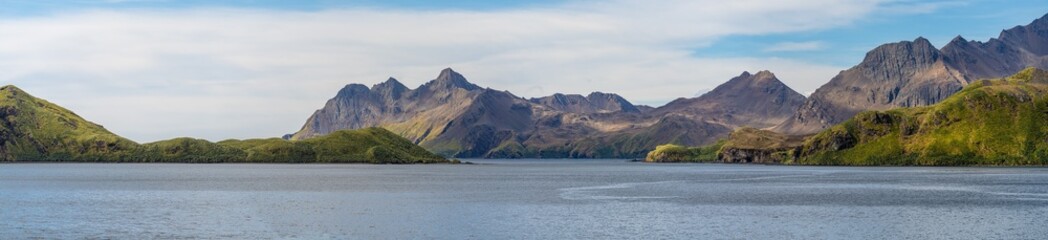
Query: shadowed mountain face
pixel 453 117
pixel 915 73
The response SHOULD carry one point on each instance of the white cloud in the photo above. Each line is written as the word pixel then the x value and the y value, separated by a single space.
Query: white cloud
pixel 795 46
pixel 235 73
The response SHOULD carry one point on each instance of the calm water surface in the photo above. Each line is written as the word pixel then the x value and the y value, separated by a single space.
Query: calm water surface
pixel 520 199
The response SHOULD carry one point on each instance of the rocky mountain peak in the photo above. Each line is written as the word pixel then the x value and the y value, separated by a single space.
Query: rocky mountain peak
pixel 958 40
pixel 763 81
pixel 1032 37
pixel 903 55
pixel 353 89
pixel 393 82
pixel 766 77
pixel 611 101
pixel 448 78
pixel 390 88
pixel 1040 23
pixel 600 95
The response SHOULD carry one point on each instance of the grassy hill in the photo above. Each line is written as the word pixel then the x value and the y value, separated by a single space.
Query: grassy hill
pixel 369 145
pixel 32 129
pixel 678 153
pixel 35 129
pixel 989 122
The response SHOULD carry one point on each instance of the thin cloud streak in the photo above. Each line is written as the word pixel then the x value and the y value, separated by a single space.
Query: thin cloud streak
pixel 795 46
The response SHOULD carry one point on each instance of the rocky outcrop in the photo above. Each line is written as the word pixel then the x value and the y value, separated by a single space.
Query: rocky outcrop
pixel 749 145
pixel 761 156
pixel 744 145
pixel 914 73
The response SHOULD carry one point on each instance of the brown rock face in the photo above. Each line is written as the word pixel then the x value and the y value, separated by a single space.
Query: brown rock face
pixel 914 73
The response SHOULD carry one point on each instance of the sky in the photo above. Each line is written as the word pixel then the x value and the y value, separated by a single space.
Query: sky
pixel 157 69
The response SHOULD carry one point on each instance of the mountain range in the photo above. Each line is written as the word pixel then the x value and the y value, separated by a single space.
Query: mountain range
pixel 453 117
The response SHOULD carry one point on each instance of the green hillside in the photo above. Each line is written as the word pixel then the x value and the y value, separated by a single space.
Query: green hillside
pixel 1002 122
pixel 369 145
pixel 990 122
pixel 32 129
pixel 35 129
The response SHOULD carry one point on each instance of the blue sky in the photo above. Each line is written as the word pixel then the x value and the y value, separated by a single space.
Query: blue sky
pixel 977 20
pixel 938 21
pixel 156 69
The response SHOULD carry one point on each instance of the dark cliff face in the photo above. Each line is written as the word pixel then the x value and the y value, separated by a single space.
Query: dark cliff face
pixel 756 100
pixel 914 73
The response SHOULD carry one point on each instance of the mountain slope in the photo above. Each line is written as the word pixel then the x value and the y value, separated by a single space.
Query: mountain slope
pixel 914 73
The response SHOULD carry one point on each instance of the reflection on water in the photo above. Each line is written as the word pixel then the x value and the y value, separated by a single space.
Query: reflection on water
pixel 530 199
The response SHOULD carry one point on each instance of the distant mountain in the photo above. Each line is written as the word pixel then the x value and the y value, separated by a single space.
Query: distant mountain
pixel 754 100
pixel 915 73
pixel 596 102
pixel 453 117
pixel 32 129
